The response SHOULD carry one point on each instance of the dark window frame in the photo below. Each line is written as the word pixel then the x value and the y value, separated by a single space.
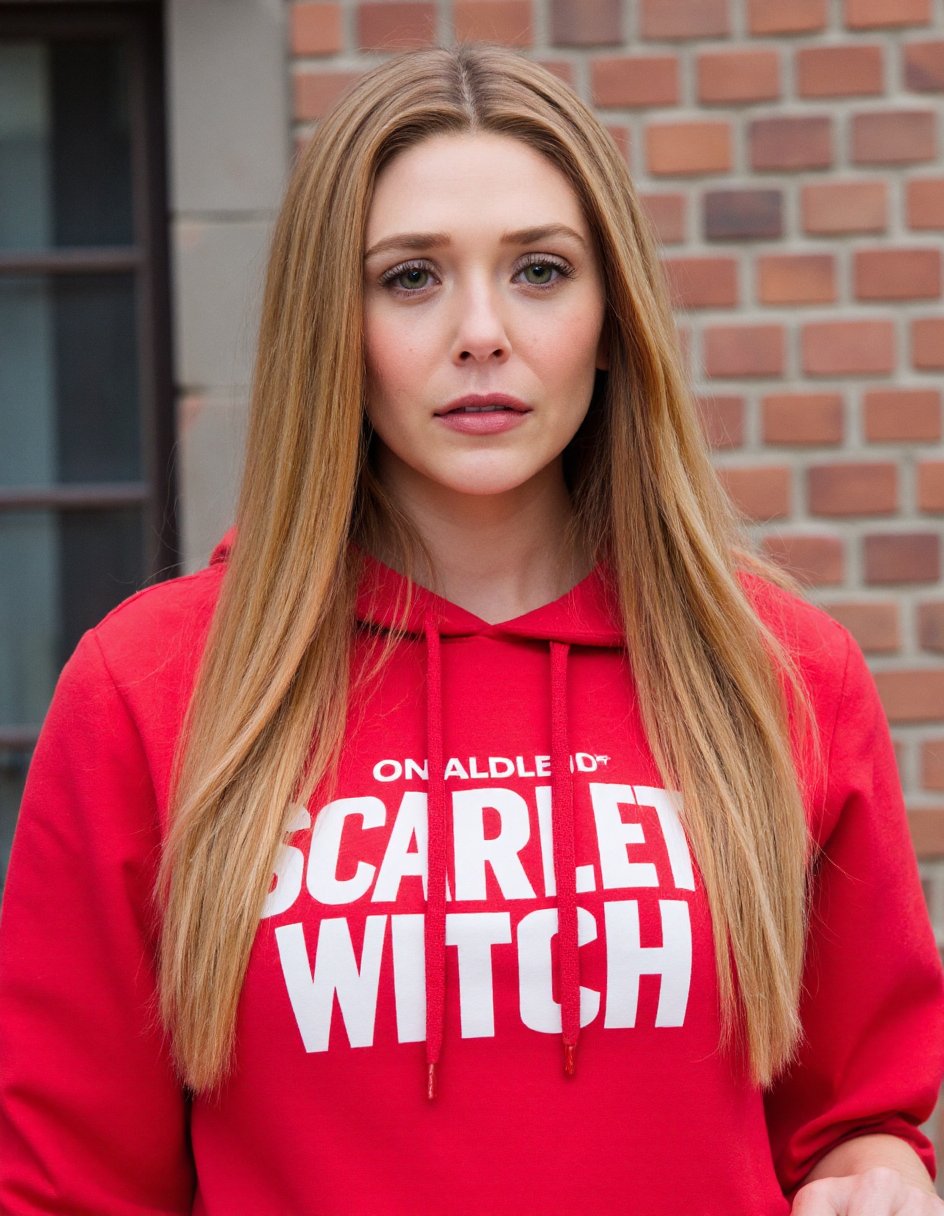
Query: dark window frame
pixel 140 24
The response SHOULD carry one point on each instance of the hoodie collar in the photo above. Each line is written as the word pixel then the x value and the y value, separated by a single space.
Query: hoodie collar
pixel 585 615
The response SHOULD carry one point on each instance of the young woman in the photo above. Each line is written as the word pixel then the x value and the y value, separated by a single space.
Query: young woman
pixel 484 831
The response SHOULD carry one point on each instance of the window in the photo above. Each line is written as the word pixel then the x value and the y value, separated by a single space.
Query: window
pixel 86 405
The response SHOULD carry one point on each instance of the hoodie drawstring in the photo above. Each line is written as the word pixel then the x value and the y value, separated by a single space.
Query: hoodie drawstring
pixel 435 921
pixel 565 862
pixel 565 874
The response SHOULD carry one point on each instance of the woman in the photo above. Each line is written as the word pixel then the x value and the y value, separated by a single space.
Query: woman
pixel 487 631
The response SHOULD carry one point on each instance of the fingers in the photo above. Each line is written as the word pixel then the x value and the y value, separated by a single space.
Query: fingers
pixel 876 1192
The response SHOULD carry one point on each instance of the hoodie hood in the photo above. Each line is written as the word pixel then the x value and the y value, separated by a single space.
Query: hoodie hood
pixel 585 616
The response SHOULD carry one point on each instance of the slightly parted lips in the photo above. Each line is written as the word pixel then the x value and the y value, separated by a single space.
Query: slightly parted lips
pixel 475 403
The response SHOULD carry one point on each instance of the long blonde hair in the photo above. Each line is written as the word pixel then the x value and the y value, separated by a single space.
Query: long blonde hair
pixel 266 718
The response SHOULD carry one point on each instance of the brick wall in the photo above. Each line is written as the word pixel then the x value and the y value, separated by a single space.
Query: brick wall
pixel 789 153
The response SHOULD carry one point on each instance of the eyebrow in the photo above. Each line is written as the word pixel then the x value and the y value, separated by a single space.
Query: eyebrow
pixel 436 240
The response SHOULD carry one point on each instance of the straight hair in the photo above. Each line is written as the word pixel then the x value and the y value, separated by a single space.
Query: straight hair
pixel 722 702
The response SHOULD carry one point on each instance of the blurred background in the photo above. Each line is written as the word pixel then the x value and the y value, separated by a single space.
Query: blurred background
pixel 787 151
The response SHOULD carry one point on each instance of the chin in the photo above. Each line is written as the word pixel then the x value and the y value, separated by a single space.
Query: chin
pixel 488 483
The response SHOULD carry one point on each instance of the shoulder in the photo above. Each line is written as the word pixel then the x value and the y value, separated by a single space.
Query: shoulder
pixel 139 664
pixel 853 735
pixel 163 624
pixel 134 672
pixel 817 643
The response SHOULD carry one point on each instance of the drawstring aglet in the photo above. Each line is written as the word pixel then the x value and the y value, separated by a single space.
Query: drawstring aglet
pixel 431 1080
pixel 570 1059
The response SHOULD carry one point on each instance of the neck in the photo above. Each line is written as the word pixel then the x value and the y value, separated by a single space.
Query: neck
pixel 496 555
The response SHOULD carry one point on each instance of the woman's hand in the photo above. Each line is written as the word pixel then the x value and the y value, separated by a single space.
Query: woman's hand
pixel 880 1191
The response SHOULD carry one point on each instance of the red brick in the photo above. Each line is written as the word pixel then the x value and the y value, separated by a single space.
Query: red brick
pixel 638 80
pixel 688 148
pixel 623 138
pixel 666 213
pixel 897 274
pixel 732 76
pixel 563 69
pixel 315 29
pixel 796 278
pixel 815 560
pixel 508 22
pixel 722 420
pixel 835 207
pixel 902 415
pixel 743 215
pixel 912 694
pixel 927 343
pixel 693 19
pixel 586 22
pixel 759 493
pixel 926 826
pixel 797 418
pixel 702 282
pixel 839 71
pixel 316 92
pixel 791 143
pixel 931 485
pixel 902 557
pixel 924 67
pixel 874 625
pixel 932 764
pixel 931 625
pixel 854 488
pixel 894 137
pixel 873 14
pixel 744 350
pixel 841 348
pixel 388 25
pixel 925 200
pixel 776 17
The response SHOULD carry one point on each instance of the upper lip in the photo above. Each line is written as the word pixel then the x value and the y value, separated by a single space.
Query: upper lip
pixel 481 399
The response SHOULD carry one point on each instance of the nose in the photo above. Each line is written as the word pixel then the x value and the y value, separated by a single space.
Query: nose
pixel 480 332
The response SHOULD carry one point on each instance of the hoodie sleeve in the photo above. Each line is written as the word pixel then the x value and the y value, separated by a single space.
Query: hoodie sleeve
pixel 92 1118
pixel 872 1005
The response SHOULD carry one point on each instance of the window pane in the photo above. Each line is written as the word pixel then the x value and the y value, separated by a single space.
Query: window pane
pixel 71 568
pixel 68 379
pixel 65 164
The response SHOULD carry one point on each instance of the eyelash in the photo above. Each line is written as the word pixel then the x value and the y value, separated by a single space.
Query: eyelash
pixel 389 277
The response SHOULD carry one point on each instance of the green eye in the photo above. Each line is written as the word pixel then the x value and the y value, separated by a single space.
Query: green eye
pixel 413 277
pixel 541 273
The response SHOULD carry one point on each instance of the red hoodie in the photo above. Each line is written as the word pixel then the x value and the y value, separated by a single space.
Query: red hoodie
pixel 517 750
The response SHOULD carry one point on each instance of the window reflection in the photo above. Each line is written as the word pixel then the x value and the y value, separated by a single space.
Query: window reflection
pixel 68 379
pixel 65 162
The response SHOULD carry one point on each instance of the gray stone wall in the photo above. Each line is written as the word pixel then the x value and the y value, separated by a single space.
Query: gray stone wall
pixel 230 138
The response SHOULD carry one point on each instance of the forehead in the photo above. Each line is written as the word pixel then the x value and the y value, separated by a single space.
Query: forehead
pixel 467 180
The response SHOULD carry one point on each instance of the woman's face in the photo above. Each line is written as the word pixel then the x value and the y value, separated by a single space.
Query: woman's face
pixel 481 281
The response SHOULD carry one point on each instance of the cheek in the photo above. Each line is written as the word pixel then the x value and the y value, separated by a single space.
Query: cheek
pixel 378 352
pixel 571 358
pixel 566 344
pixel 392 354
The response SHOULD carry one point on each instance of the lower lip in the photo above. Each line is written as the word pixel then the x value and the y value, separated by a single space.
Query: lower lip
pixel 488 422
